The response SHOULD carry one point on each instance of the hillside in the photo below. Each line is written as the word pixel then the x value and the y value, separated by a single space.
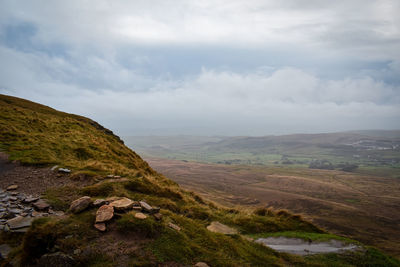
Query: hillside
pixel 35 138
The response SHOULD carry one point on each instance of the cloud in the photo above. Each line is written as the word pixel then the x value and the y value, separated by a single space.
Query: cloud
pixel 208 67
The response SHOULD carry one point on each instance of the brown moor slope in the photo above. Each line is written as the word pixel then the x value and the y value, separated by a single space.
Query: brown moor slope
pixel 366 208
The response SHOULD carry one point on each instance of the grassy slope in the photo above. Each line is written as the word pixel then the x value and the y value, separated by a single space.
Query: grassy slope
pixel 35 134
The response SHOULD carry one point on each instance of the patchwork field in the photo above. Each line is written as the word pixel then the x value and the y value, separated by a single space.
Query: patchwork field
pixel 364 207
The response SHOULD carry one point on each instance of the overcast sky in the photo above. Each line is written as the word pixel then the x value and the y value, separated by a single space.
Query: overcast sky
pixel 207 67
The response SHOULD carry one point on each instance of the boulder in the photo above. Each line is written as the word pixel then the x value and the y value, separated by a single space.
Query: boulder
pixel 145 206
pixel 19 222
pixel 100 226
pixel 140 216
pixel 218 227
pixel 64 170
pixel 99 202
pixel 80 204
pixel 12 187
pixel 122 204
pixel 41 205
pixel 56 259
pixel 104 213
pixel 174 226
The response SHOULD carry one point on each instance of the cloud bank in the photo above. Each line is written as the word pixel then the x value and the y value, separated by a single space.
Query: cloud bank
pixel 214 67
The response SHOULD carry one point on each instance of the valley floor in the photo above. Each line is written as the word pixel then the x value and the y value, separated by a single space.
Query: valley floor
pixel 366 208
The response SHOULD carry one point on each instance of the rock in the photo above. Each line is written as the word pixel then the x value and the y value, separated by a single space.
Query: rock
pixel 122 204
pixel 14 193
pixel 19 222
pixel 13 198
pixel 36 214
pixel 145 206
pixel 201 264
pixel 174 226
pixel 64 170
pixel 158 216
pixel 111 199
pixel 12 187
pixel 56 259
pixel 137 208
pixel 4 251
pixel 100 226
pixel 110 176
pixel 30 199
pixel 104 213
pixel 99 202
pixel 77 251
pixel 80 204
pixel 140 216
pixel 218 227
pixel 41 205
pixel 54 168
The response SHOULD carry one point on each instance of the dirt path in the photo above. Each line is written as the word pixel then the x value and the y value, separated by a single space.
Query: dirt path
pixel 31 180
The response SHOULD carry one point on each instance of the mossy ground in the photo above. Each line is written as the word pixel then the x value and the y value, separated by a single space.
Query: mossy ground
pixel 35 134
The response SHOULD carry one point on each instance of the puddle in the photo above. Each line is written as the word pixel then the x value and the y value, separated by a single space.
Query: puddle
pixel 301 247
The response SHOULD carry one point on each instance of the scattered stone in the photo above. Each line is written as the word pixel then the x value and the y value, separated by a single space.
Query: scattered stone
pixel 146 206
pixel 140 216
pixel 54 168
pixel 77 251
pixel 14 193
pixel 117 176
pixel 80 204
pixel 158 216
pixel 30 199
pixel 13 198
pixel 110 176
pixel 137 208
pixel 218 227
pixel 41 205
pixel 4 251
pixel 111 199
pixel 100 226
pixel 69 236
pixel 64 170
pixel 122 204
pixel 19 222
pixel 56 259
pixel 36 214
pixel 12 187
pixel 104 213
pixel 201 264
pixel 99 202
pixel 174 226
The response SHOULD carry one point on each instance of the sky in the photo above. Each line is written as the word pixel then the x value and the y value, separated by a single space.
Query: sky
pixel 165 67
